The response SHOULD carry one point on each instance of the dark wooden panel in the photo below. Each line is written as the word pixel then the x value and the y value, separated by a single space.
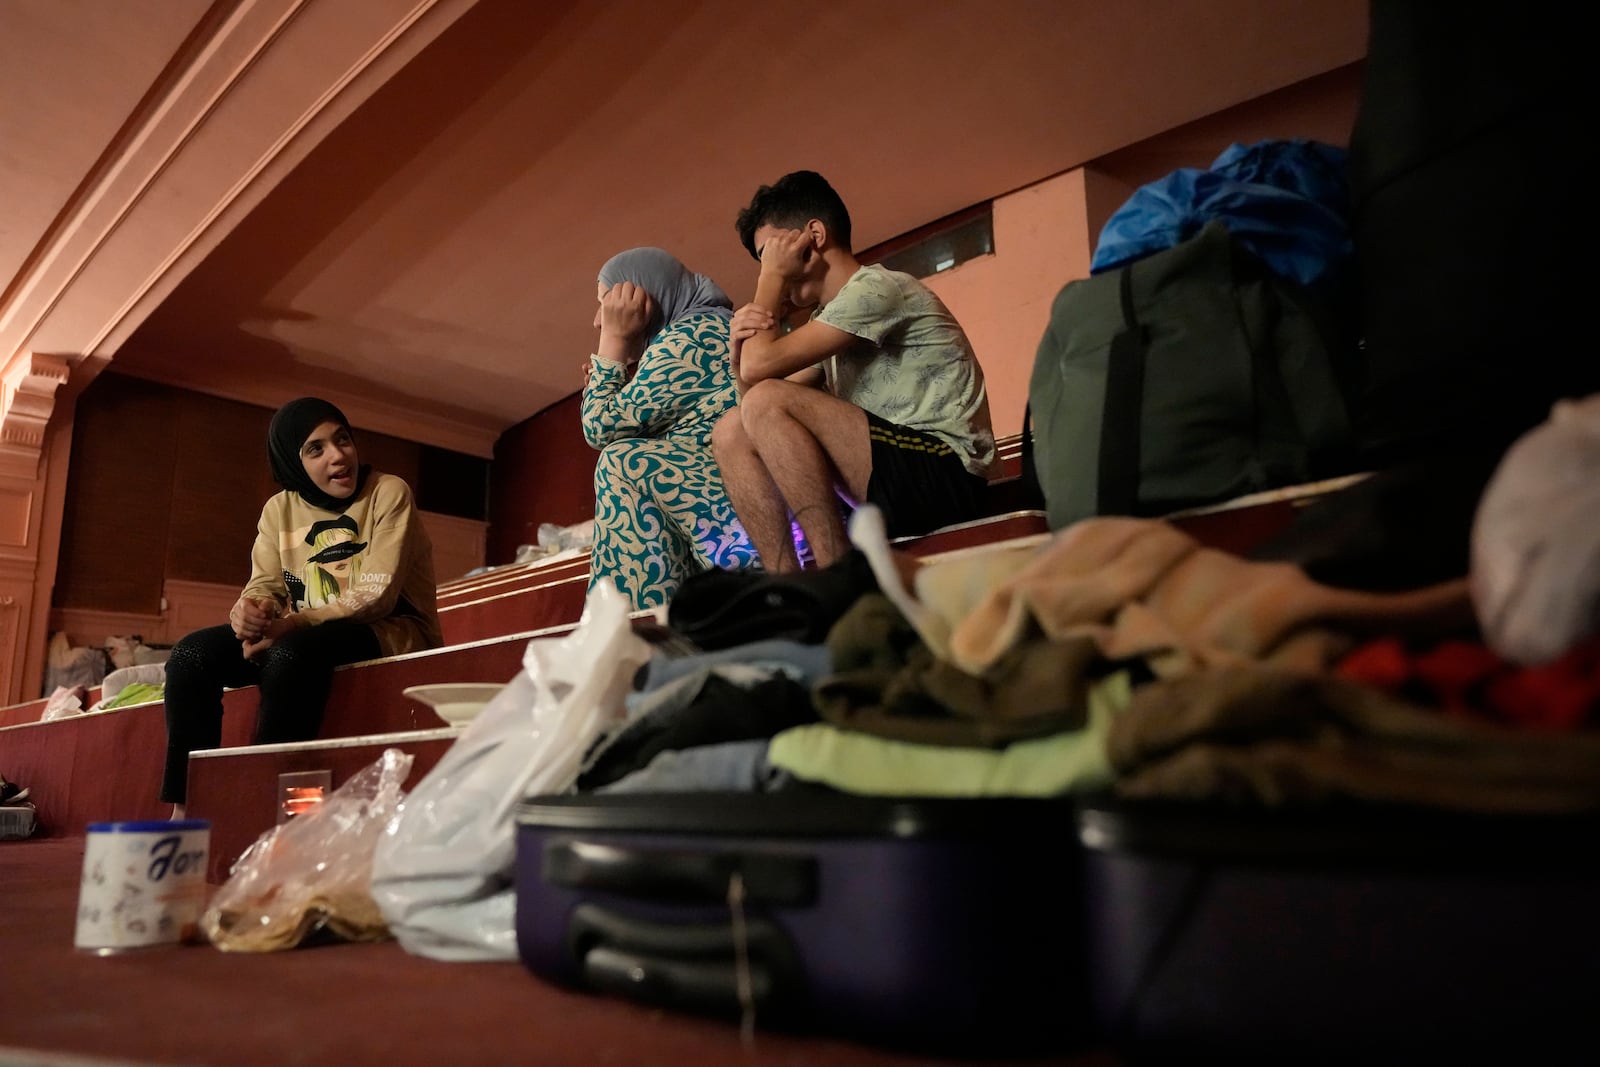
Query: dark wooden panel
pixel 119 497
pixel 451 483
pixel 391 455
pixel 543 472
pixel 220 478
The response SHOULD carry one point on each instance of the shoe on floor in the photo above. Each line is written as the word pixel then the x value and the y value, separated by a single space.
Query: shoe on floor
pixel 11 792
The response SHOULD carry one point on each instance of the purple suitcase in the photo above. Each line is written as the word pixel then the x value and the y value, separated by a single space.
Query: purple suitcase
pixel 1350 934
pixel 946 924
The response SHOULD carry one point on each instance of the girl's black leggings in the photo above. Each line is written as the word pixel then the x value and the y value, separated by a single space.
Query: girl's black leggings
pixel 294 676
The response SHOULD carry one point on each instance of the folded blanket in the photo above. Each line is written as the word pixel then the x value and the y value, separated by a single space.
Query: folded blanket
pixel 1064 762
pixel 1143 588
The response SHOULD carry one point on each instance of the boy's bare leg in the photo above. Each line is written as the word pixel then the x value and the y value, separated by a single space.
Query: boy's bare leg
pixel 753 494
pixel 810 443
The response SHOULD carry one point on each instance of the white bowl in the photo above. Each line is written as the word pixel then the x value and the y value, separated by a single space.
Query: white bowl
pixel 457 703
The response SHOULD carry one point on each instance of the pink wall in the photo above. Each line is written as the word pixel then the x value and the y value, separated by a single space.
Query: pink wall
pixel 1043 238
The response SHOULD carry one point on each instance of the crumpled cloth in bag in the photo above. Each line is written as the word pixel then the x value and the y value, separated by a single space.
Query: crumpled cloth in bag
pixel 310 875
pixel 442 872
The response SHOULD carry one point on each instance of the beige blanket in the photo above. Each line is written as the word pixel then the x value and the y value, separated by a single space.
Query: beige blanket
pixel 1143 588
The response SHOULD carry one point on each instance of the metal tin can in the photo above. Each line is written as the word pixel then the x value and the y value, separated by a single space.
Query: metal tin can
pixel 144 884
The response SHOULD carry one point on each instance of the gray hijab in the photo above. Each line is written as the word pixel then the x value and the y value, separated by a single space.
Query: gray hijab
pixel 677 291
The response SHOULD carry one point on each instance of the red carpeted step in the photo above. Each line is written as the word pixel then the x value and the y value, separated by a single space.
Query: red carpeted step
pixel 538 600
pixel 366 697
pixel 512 576
pixel 985 531
pixel 107 765
pixel 32 710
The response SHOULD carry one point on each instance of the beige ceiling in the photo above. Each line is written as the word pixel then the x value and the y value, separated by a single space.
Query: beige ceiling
pixel 402 204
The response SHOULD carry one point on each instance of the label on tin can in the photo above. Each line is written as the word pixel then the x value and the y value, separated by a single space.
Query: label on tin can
pixel 144 884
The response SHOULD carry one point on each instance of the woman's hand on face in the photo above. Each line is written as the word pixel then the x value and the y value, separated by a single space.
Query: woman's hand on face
pixel 250 617
pixel 751 320
pixel 625 312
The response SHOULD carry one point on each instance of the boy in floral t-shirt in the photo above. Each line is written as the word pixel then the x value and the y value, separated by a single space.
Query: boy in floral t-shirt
pixel 877 398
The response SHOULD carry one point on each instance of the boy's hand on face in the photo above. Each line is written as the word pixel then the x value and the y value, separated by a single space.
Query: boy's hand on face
pixel 625 312
pixel 786 254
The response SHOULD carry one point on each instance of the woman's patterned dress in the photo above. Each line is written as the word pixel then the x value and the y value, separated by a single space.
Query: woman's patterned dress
pixel 661 512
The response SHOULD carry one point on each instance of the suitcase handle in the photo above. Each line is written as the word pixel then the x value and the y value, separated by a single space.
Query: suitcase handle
pixel 680 875
pixel 688 966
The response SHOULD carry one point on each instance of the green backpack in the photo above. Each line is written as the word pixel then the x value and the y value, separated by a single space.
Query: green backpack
pixel 1188 377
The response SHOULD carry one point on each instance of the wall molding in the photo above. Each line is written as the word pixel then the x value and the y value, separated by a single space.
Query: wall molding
pixel 11 639
pixel 28 398
pixel 16 515
pixel 19 463
pixel 216 133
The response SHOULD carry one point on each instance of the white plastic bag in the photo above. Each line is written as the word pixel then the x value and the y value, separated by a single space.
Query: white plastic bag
pixel 442 873
pixel 63 702
pixel 1536 539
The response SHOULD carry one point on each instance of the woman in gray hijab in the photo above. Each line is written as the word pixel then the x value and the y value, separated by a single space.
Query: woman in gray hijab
pixel 657 382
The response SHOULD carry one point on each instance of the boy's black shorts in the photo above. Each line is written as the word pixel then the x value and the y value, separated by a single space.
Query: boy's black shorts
pixel 918 481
